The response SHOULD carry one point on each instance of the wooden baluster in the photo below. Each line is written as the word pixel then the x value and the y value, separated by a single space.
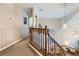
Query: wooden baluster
pixel 54 48
pixel 48 45
pixel 30 35
pixel 39 40
pixel 51 45
pixel 43 42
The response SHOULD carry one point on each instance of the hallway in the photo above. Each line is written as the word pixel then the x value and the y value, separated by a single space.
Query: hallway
pixel 19 49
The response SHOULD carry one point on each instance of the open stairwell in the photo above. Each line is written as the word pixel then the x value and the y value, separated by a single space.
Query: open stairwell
pixel 45 45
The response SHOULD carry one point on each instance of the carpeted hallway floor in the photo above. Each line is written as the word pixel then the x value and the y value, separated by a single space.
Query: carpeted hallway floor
pixel 19 49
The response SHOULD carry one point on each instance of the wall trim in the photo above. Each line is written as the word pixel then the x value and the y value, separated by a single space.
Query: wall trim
pixel 26 37
pixel 7 46
pixel 35 50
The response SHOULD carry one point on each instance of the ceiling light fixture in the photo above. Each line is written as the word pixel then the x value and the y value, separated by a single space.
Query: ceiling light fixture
pixel 75 35
pixel 65 26
pixel 40 9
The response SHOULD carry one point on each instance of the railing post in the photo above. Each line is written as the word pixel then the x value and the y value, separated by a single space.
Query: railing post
pixel 30 35
pixel 45 40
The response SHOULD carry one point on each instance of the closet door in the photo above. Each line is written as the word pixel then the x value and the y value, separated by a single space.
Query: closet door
pixel 1 38
pixel 10 29
pixel 2 26
pixel 3 35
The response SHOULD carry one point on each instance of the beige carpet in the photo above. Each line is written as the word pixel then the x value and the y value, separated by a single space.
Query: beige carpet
pixel 19 49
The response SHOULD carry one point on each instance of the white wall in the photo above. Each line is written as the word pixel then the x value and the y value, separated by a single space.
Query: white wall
pixel 68 33
pixel 24 27
pixel 10 24
pixel 45 22
pixel 51 23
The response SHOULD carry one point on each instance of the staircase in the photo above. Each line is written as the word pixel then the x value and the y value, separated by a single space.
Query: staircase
pixel 43 43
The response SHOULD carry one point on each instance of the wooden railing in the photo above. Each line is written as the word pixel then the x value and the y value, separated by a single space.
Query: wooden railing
pixel 41 40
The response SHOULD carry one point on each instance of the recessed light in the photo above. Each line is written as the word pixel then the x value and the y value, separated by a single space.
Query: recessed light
pixel 40 9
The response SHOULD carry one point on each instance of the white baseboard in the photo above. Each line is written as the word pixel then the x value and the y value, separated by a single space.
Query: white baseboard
pixel 5 47
pixel 35 50
pixel 25 37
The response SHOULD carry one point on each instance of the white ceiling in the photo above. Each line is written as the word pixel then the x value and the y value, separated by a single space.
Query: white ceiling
pixel 51 10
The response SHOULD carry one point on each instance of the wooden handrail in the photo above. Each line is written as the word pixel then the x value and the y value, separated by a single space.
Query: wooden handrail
pixel 55 41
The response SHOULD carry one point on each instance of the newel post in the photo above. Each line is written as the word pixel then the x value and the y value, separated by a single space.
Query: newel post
pixel 45 40
pixel 30 35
